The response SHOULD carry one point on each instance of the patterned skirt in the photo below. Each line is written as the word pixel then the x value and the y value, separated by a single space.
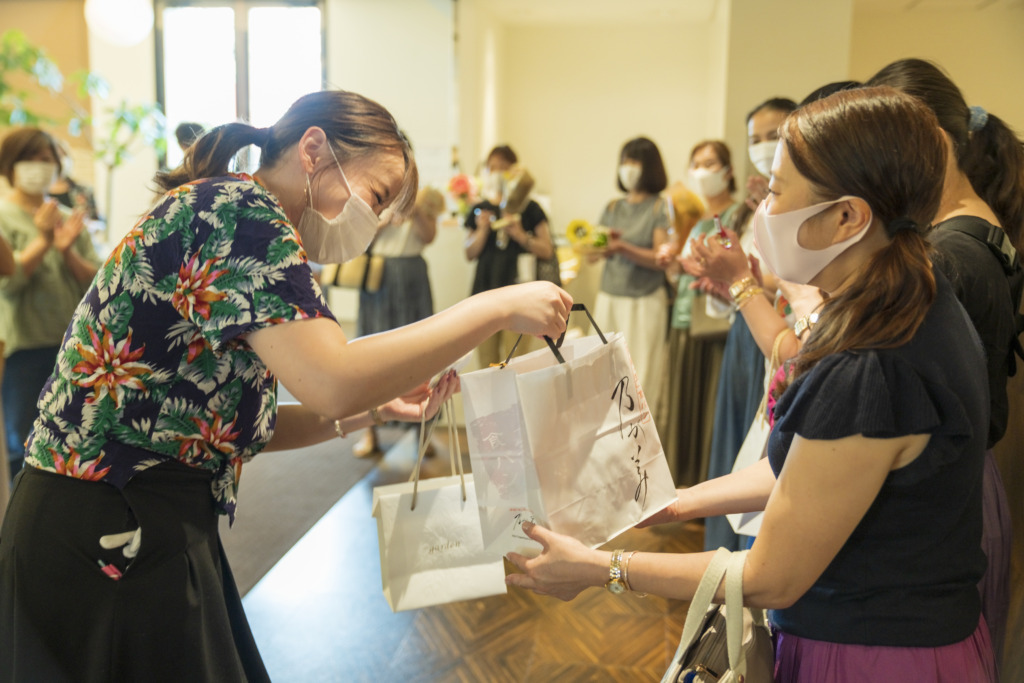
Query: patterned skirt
pixel 72 609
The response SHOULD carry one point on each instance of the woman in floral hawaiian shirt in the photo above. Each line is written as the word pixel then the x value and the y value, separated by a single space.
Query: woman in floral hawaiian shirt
pixel 110 563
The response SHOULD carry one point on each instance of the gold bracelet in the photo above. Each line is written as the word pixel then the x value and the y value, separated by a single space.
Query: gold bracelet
pixel 748 294
pixel 737 288
pixel 377 419
pixel 625 575
pixel 339 430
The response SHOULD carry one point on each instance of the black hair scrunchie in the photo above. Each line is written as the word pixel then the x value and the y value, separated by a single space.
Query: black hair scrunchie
pixel 902 223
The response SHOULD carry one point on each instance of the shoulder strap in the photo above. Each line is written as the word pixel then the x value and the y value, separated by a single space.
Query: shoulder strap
pixel 999 244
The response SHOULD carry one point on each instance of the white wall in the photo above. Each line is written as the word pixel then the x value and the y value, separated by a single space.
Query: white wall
pixel 401 53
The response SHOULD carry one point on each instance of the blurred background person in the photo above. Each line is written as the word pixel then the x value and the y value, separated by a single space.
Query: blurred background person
pixel 694 360
pixel 54 263
pixel 188 132
pixel 497 252
pixel 404 295
pixel 633 298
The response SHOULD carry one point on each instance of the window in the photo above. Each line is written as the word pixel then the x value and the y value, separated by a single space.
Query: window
pixel 235 60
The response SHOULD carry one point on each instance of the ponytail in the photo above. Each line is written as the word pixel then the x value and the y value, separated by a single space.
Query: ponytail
pixel 210 156
pixel 993 160
pixel 885 147
pixel 355 125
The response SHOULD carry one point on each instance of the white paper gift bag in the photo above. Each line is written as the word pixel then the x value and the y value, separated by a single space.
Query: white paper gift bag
pixel 431 548
pixel 563 436
pixel 749 523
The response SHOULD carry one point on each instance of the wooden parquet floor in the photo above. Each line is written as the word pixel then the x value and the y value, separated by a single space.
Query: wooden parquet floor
pixel 320 614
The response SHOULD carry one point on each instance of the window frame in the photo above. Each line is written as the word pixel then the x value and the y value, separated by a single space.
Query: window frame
pixel 241 8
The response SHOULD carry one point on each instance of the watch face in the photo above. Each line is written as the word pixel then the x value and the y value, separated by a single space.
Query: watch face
pixel 616 587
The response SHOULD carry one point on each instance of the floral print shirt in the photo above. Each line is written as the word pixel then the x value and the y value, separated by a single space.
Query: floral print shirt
pixel 154 365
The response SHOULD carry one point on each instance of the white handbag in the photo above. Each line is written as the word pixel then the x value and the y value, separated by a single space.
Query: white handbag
pixel 729 643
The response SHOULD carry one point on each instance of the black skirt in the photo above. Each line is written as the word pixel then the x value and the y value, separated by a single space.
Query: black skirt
pixel 173 615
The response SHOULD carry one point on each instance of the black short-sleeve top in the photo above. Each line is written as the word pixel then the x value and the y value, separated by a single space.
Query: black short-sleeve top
pixel 908 574
pixel 498 266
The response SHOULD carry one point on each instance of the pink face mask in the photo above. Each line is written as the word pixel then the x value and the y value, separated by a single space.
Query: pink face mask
pixel 776 239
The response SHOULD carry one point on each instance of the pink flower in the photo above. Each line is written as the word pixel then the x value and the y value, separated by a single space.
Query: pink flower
pixel 72 466
pixel 194 290
pixel 109 367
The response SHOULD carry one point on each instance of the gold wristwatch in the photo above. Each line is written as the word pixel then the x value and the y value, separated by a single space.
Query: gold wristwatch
pixel 805 324
pixel 615 583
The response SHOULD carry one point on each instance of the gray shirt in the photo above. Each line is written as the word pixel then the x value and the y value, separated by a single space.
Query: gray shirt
pixel 637 223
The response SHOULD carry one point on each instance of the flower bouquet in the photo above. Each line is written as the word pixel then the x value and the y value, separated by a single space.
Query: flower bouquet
pixel 585 238
pixel 463 190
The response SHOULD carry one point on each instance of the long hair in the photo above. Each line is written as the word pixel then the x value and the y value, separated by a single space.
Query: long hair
pixel 355 125
pixel 992 157
pixel 885 147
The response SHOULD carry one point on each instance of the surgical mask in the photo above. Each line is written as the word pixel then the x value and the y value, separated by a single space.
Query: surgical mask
pixel 761 155
pixel 629 176
pixel 343 237
pixel 775 237
pixel 709 183
pixel 34 177
pixel 493 186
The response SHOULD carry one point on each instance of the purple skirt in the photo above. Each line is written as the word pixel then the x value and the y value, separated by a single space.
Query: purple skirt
pixel 802 660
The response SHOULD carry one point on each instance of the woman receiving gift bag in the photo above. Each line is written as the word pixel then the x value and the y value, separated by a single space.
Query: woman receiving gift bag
pixel 869 553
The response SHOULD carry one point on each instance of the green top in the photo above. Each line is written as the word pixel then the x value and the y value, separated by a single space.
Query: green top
pixel 684 295
pixel 35 310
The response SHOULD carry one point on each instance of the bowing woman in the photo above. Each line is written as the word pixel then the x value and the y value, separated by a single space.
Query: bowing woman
pixel 111 567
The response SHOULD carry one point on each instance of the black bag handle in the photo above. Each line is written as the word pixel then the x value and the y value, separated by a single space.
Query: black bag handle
pixel 556 345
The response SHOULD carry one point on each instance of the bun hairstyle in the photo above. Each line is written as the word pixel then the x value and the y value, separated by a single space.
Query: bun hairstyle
pixel 987 150
pixel 885 147
pixel 355 125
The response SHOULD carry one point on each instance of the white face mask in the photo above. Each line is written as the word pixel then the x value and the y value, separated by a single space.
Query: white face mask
pixel 343 237
pixel 708 183
pixel 776 239
pixel 629 176
pixel 34 177
pixel 761 155
pixel 493 186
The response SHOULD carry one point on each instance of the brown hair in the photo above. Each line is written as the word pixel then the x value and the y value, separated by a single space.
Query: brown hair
pixel 356 126
pixel 722 152
pixel 24 143
pixel 885 147
pixel 504 152
pixel 992 157
pixel 653 178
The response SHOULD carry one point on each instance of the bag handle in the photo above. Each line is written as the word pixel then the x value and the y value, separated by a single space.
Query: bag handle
pixel 556 345
pixel 702 599
pixel 454 449
pixel 734 611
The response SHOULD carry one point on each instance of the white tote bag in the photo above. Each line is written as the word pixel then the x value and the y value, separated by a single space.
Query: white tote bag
pixel 563 437
pixel 431 549
pixel 753 448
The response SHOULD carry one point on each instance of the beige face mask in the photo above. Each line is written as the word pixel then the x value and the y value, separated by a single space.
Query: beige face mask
pixel 343 237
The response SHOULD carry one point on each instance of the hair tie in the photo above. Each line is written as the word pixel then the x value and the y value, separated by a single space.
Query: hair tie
pixel 902 223
pixel 979 117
